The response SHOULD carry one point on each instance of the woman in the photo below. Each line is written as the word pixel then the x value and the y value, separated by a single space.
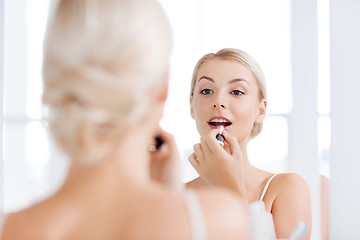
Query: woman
pixel 228 90
pixel 105 84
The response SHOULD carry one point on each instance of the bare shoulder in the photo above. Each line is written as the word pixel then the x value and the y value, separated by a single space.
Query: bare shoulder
pixel 324 182
pixel 28 221
pixel 289 182
pixel 289 202
pixel 225 213
pixel 289 189
pixel 289 178
pixel 324 197
pixel 195 183
pixel 11 226
pixel 324 187
pixel 43 220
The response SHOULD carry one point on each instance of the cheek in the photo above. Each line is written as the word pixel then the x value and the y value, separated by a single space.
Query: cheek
pixel 199 108
pixel 200 113
pixel 244 112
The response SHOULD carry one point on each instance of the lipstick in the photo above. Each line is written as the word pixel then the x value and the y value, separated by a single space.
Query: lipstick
pixel 219 137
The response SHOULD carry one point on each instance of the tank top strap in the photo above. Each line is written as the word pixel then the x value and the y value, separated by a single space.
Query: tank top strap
pixel 266 187
pixel 196 217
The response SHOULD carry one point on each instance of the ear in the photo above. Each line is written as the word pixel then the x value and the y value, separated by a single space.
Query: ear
pixel 262 111
pixel 163 94
pixel 191 108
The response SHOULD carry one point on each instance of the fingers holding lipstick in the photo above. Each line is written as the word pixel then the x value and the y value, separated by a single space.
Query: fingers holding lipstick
pixel 217 165
pixel 232 144
pixel 165 163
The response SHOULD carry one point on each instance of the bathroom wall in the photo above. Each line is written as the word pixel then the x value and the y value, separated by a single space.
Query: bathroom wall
pixel 345 119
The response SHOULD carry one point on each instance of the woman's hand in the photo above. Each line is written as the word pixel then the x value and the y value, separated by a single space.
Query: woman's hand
pixel 217 165
pixel 165 163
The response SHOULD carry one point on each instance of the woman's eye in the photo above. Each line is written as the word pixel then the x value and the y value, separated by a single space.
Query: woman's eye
pixel 237 92
pixel 206 91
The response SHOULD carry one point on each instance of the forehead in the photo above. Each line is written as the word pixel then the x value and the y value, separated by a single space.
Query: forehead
pixel 221 69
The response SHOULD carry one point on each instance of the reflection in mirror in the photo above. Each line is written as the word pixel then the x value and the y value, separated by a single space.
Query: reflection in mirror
pixel 274 55
pixel 228 89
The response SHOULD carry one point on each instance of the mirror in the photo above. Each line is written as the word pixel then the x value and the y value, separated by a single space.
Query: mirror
pixel 261 28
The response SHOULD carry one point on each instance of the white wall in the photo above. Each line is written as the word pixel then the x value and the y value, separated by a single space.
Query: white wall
pixel 1 100
pixel 345 116
pixel 303 139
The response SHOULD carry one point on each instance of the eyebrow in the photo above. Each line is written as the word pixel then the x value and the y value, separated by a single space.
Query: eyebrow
pixel 207 78
pixel 239 80
pixel 230 82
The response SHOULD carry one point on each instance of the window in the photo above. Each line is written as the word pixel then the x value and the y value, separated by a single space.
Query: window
pixel 28 171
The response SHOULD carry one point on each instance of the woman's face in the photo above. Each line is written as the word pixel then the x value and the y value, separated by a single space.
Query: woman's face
pixel 226 93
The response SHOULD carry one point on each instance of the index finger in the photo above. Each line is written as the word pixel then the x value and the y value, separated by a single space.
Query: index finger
pixel 232 142
pixel 212 143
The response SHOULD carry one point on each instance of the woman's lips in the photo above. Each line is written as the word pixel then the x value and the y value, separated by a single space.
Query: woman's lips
pixel 216 122
pixel 218 126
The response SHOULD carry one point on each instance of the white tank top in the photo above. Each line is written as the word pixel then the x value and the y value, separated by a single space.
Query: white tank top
pixel 266 187
pixel 196 217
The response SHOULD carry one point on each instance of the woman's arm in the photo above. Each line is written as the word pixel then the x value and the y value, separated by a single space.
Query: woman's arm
pixel 291 204
pixel 324 187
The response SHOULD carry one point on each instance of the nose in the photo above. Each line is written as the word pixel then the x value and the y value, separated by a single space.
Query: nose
pixel 220 100
pixel 220 105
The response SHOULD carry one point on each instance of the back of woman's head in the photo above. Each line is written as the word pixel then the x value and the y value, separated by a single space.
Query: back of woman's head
pixel 102 60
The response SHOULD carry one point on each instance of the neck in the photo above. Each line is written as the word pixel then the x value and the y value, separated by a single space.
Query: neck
pixel 132 154
pixel 128 163
pixel 253 177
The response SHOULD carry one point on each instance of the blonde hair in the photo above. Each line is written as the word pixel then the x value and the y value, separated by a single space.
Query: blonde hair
pixel 102 60
pixel 246 60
